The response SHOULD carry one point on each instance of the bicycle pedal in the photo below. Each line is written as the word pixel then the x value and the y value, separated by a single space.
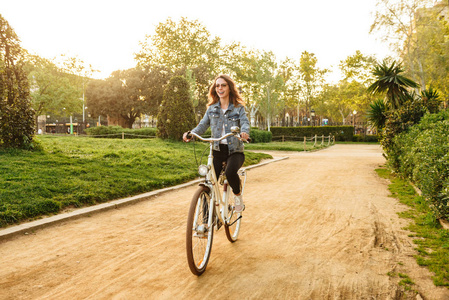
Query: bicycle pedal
pixel 219 224
pixel 200 235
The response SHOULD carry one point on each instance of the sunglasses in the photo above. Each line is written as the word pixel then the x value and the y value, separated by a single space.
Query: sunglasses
pixel 222 85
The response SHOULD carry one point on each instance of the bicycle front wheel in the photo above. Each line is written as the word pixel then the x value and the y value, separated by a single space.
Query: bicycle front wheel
pixel 200 231
pixel 232 225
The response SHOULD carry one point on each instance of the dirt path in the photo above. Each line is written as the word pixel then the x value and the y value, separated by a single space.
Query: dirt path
pixel 317 226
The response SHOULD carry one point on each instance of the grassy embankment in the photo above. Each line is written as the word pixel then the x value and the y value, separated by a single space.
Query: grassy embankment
pixel 79 171
pixel 286 146
pixel 432 241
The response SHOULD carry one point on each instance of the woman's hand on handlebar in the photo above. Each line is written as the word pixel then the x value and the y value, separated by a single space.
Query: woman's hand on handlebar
pixel 244 135
pixel 186 137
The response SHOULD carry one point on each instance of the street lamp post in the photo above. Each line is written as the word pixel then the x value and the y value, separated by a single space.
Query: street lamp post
pixel 312 114
pixel 353 120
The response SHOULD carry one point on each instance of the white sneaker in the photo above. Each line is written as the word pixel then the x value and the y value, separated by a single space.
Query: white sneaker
pixel 238 204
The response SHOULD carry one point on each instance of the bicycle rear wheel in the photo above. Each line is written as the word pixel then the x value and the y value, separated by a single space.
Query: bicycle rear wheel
pixel 232 226
pixel 200 231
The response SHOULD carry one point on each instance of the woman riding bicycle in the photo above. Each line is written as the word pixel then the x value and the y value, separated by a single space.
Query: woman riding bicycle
pixel 226 109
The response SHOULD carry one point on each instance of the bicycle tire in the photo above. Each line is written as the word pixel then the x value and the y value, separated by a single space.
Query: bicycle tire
pixel 199 239
pixel 232 227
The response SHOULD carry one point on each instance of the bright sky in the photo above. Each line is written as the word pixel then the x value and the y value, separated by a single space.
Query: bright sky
pixel 106 34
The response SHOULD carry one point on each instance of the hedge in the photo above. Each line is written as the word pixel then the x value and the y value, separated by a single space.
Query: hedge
pixel 341 133
pixel 115 132
pixel 260 136
pixel 366 138
pixel 422 156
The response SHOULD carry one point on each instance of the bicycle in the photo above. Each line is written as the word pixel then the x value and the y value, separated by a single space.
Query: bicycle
pixel 210 208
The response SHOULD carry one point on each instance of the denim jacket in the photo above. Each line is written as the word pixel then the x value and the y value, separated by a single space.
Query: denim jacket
pixel 215 118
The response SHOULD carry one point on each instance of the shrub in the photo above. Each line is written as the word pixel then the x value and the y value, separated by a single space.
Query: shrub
pixel 365 138
pixel 422 156
pixel 260 136
pixel 116 132
pixel 104 131
pixel 142 132
pixel 398 121
pixel 176 114
pixel 341 133
pixel 376 114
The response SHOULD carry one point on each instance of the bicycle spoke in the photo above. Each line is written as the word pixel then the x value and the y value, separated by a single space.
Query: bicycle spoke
pixel 199 235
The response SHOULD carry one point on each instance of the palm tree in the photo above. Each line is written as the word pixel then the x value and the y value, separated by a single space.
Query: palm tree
pixel 376 114
pixel 389 81
pixel 430 98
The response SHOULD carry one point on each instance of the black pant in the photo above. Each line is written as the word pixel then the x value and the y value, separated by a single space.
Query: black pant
pixel 233 164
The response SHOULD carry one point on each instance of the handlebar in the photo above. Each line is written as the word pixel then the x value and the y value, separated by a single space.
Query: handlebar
pixel 211 140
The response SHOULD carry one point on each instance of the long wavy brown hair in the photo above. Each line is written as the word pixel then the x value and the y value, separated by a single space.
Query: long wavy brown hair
pixel 234 95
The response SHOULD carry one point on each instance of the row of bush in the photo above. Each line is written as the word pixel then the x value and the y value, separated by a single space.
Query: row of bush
pixel 365 138
pixel 260 136
pixel 421 154
pixel 115 132
pixel 341 133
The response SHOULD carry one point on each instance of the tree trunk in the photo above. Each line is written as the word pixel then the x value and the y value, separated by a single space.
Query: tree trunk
pixel 269 110
pixel 117 121
pixel 252 115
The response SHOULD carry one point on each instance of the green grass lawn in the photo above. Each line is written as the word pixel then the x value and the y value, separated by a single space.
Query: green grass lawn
pixel 79 171
pixel 432 241
pixel 286 146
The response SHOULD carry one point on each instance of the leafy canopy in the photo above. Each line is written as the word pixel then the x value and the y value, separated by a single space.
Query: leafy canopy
pixel 16 114
pixel 176 114
pixel 391 83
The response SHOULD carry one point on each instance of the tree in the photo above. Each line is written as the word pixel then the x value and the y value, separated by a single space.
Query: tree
pixel 179 44
pixel 242 64
pixel 398 20
pixel 184 45
pixel 154 82
pixel 16 114
pixel 310 78
pixel 100 95
pixel 119 97
pixel 233 59
pixel 391 83
pixel 272 104
pixel 376 115
pixel 176 114
pixel 338 101
pixel 291 89
pixel 358 67
pixel 402 108
pixel 431 100
pixel 397 121
pixel 432 47
pixel 262 84
pixel 271 83
pixel 420 30
pixel 79 74
pixel 332 104
pixel 351 92
pixel 51 88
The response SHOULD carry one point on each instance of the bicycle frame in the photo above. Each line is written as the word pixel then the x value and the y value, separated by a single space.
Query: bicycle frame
pixel 209 208
pixel 218 200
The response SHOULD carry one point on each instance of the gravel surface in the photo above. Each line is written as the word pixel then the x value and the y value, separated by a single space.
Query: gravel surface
pixel 319 225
